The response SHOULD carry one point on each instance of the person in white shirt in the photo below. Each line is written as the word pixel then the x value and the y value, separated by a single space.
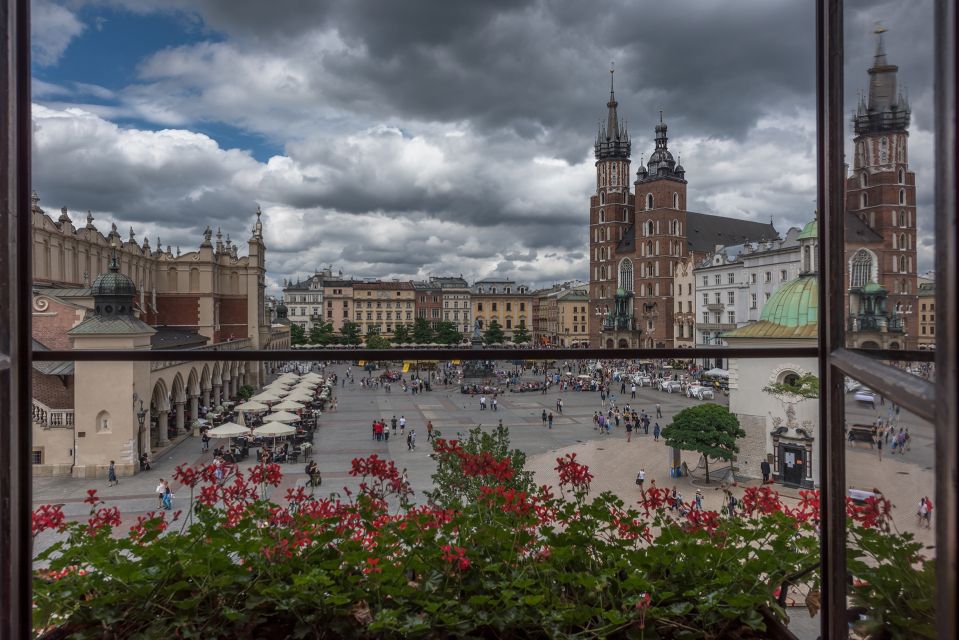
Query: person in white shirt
pixel 160 490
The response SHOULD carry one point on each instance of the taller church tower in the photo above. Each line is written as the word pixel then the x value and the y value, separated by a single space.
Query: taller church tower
pixel 881 216
pixel 610 216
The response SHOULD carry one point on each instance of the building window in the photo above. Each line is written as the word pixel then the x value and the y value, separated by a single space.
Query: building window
pixel 522 306
pixel 769 276
pixel 731 278
pixel 479 306
pixel 752 278
pixel 649 204
pixel 782 275
pixel 705 281
pixel 494 306
pixel 902 196
pixel 705 298
pixel 602 215
pixel 731 316
pixel 863 180
pixel 716 298
pixel 861 269
pixel 864 200
pixel 705 317
pixel 509 306
pixel 626 275
pixel 718 279
pixel 752 301
pixel 902 177
pixel 731 297
pixel 675 201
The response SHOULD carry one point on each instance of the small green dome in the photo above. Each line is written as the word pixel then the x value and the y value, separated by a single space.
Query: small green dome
pixel 873 287
pixel 811 230
pixel 794 305
pixel 621 292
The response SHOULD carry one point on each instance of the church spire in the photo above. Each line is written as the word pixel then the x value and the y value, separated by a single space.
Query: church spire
pixel 884 109
pixel 612 140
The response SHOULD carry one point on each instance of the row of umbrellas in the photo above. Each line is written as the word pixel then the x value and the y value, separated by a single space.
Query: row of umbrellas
pixel 279 397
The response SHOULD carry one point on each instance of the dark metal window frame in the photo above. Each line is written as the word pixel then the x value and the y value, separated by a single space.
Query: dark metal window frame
pixel 937 402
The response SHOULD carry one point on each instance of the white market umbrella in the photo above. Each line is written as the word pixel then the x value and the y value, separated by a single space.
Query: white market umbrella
pixel 289 405
pixel 717 373
pixel 299 397
pixel 228 430
pixel 277 385
pixel 288 377
pixel 307 385
pixel 283 416
pixel 255 407
pixel 266 397
pixel 312 376
pixel 276 391
pixel 274 430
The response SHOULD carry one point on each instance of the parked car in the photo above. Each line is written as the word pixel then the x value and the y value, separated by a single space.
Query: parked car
pixel 865 395
pixel 672 386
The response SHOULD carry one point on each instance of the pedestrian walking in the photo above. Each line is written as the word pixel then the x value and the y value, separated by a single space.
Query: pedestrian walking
pixel 659 410
pixel 632 393
pixel 482 403
pixel 544 417
pixel 429 430
pixel 549 420
pixel 559 405
pixel 393 423
pixel 402 424
pixel 699 500
pixel 879 447
pixel 495 404
pixel 764 468
pixel 641 478
pixel 112 475
pixel 167 496
pixel 160 490
pixel 656 432
pixel 411 440
pixel 205 439
pixel 629 431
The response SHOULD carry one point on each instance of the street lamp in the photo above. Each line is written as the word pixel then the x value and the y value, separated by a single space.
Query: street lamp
pixel 141 418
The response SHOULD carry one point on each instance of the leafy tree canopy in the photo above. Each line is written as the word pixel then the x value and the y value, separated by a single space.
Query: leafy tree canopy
pixel 422 331
pixel 297 334
pixel 350 333
pixel 493 333
pixel 322 333
pixel 447 333
pixel 402 334
pixel 521 334
pixel 708 428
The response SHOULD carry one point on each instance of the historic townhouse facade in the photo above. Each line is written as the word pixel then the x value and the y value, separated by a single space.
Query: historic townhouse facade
pixel 382 306
pixel 503 300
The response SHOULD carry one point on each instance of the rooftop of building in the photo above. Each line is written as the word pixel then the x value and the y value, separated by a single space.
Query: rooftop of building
pixel 791 312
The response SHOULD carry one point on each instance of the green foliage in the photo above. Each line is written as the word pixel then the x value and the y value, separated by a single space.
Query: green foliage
pixel 521 334
pixel 494 333
pixel 805 387
pixel 708 428
pixel 350 333
pixel 374 340
pixel 322 333
pixel 245 392
pixel 422 331
pixel 453 489
pixel 894 582
pixel 402 334
pixel 447 333
pixel 297 334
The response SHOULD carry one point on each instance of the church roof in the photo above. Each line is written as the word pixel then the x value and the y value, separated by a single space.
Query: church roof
pixel 791 312
pixel 705 231
pixel 858 232
pixel 110 326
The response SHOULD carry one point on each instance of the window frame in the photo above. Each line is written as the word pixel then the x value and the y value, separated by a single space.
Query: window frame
pixel 936 401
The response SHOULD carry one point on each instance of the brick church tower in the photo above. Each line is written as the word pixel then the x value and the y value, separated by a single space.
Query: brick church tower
pixel 660 238
pixel 610 217
pixel 881 217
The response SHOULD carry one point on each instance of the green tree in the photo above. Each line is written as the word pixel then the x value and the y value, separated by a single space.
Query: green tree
pixel 374 340
pixel 350 333
pixel 455 489
pixel 402 334
pixel 521 334
pixel 447 333
pixel 493 333
pixel 297 334
pixel 322 333
pixel 245 392
pixel 422 331
pixel 709 429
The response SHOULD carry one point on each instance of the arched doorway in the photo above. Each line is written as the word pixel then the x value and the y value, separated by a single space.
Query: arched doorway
pixel 869 344
pixel 609 343
pixel 623 343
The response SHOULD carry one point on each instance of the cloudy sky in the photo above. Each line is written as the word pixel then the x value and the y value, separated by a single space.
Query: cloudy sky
pixel 407 138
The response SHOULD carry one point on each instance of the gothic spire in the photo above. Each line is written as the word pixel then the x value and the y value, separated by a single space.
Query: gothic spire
pixel 884 110
pixel 612 140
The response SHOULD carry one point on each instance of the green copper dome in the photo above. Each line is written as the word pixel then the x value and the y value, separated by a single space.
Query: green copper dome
pixel 873 287
pixel 811 230
pixel 795 304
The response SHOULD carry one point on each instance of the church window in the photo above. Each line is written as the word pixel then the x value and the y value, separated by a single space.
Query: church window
pixel 620 233
pixel 863 180
pixel 902 264
pixel 602 198
pixel 903 287
pixel 902 177
pixel 902 196
pixel 649 201
pixel 649 247
pixel 626 275
pixel 861 269
pixel 903 243
pixel 872 218
pixel 864 200
pixel 675 201
pixel 902 218
pixel 602 215
pixel 649 290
